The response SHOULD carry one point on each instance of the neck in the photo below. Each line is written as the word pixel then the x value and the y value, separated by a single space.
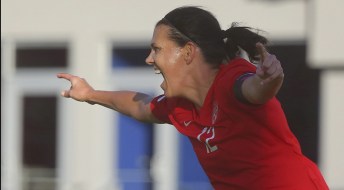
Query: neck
pixel 200 83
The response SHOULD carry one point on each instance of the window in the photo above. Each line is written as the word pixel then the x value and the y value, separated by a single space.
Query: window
pixel 39 142
pixel 41 56
pixel 135 153
pixel 135 141
pixel 130 56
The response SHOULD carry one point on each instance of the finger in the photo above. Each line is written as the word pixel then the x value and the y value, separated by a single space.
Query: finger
pixel 260 71
pixel 263 53
pixel 91 102
pixel 269 66
pixel 272 77
pixel 270 61
pixel 272 69
pixel 65 76
pixel 65 93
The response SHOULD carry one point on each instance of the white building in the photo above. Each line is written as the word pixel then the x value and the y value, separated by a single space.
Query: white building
pixel 85 145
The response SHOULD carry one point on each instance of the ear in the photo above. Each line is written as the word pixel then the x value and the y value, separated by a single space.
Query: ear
pixel 189 51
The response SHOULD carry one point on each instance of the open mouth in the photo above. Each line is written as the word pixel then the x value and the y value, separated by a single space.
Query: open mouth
pixel 163 84
pixel 157 71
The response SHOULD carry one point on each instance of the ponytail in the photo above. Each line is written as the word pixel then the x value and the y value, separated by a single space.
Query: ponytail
pixel 243 37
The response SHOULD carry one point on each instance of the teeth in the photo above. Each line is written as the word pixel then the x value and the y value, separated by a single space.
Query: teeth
pixel 157 71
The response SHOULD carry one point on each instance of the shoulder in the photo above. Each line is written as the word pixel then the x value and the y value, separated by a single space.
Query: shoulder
pixel 239 65
pixel 164 108
pixel 234 69
pixel 171 103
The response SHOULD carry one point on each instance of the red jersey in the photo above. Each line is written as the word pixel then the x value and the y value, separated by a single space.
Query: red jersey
pixel 240 146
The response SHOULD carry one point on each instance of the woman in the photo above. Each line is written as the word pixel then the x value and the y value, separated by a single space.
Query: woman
pixel 222 102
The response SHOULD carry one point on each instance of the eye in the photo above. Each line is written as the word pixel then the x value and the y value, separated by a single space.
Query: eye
pixel 156 49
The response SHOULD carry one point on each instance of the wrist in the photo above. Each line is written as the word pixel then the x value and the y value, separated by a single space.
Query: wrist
pixel 90 96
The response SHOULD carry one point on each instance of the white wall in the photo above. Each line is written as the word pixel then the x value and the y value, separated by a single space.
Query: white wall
pixel 91 28
pixel 104 18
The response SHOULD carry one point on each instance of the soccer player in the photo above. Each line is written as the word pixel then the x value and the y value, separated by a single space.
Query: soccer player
pixel 224 103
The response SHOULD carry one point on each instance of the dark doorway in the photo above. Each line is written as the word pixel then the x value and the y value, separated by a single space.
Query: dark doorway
pixel 299 95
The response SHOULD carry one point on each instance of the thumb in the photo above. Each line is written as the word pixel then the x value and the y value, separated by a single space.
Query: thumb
pixel 65 93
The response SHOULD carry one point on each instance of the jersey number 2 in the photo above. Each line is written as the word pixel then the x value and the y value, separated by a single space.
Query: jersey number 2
pixel 207 134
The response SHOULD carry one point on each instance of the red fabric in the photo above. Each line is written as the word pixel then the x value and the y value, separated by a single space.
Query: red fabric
pixel 241 146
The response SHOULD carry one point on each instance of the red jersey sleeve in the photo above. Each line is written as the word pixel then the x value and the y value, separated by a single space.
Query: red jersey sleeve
pixel 239 67
pixel 159 108
pixel 235 71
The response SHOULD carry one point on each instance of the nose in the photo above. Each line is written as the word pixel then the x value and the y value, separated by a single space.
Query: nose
pixel 149 59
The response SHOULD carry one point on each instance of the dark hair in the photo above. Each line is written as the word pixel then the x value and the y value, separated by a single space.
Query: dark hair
pixel 194 24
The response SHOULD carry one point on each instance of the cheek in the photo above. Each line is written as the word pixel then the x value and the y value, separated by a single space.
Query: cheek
pixel 171 66
pixel 175 57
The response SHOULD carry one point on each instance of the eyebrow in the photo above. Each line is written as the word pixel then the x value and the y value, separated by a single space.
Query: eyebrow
pixel 152 45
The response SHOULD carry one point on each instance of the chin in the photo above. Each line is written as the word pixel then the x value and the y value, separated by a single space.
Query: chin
pixel 170 95
pixel 167 94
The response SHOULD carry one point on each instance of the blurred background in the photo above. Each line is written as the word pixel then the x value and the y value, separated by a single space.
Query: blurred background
pixel 52 143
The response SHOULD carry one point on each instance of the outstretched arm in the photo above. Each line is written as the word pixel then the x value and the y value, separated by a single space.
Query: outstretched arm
pixel 267 81
pixel 133 104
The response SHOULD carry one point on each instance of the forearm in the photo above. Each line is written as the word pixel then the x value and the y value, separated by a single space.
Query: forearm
pixel 133 104
pixel 258 93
